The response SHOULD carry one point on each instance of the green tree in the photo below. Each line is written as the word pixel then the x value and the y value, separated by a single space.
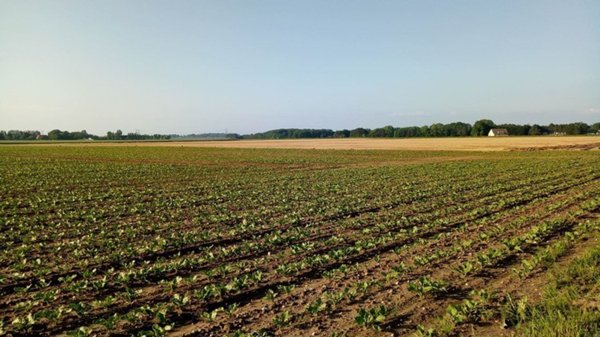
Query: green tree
pixel 386 131
pixel 342 134
pixel 411 131
pixel 55 134
pixel 458 129
pixel 437 130
pixel 359 132
pixel 482 127
pixel 515 129
pixel 535 130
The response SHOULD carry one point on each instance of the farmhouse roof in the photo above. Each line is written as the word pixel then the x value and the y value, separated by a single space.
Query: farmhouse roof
pixel 499 131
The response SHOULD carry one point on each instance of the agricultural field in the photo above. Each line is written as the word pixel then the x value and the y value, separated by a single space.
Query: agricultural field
pixel 414 144
pixel 190 241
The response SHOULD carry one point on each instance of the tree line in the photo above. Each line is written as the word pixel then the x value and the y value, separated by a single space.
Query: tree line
pixel 57 134
pixel 456 129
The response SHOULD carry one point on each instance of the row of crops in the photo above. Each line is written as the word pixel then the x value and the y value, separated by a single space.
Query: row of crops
pixel 213 242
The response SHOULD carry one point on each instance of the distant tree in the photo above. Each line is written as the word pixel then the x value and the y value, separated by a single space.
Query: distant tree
pixel 411 131
pixel 292 133
pixel 341 133
pixel 80 135
pixel 66 135
pixel 55 134
pixel 535 130
pixel 389 131
pixel 515 130
pixel 377 133
pixel 577 128
pixel 386 131
pixel 482 127
pixel 21 135
pixel 595 128
pixel 359 132
pixel 458 129
pixel 437 130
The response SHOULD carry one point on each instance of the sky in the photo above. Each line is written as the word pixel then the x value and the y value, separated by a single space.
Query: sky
pixel 252 65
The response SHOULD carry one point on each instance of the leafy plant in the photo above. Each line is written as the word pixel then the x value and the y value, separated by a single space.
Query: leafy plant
pixel 316 307
pixel 372 318
pixel 180 300
pixel 24 323
pixel 282 319
pixel 231 308
pixel 285 289
pixel 211 315
pixel 270 295
pixel 426 332
pixel 425 285
pixel 465 268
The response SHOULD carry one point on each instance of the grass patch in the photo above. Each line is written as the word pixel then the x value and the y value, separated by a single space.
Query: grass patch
pixel 571 302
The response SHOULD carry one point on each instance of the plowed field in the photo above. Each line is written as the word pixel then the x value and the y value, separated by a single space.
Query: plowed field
pixel 189 241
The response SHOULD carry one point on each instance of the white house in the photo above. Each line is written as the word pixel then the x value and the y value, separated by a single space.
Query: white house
pixel 498 132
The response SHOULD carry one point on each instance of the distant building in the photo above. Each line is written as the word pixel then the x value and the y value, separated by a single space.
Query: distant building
pixel 498 132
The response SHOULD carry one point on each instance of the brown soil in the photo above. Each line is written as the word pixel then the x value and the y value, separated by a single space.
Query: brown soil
pixel 258 312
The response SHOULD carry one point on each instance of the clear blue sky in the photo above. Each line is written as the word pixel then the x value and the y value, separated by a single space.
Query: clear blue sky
pixel 247 66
